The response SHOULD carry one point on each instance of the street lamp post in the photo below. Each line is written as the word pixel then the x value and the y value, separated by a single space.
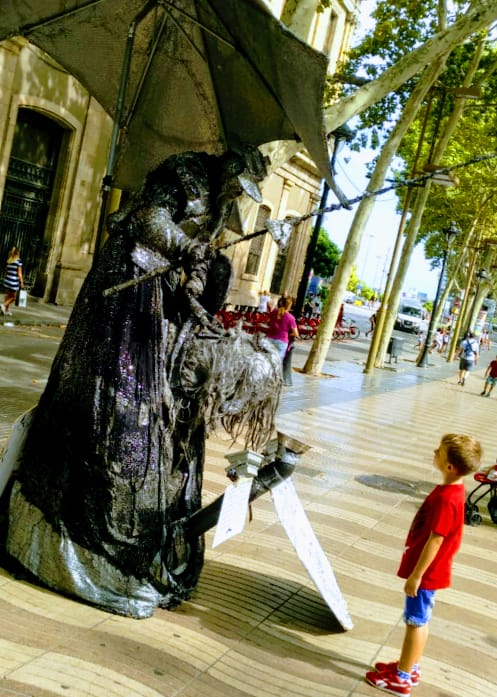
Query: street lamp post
pixel 480 276
pixel 449 232
pixel 343 134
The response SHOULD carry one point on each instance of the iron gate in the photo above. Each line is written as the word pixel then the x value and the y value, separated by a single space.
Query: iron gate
pixel 23 215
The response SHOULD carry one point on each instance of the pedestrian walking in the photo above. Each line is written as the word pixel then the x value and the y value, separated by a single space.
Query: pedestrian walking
pixel 372 323
pixel 468 356
pixel 13 280
pixel 490 378
pixel 446 339
pixel 485 341
pixel 264 302
pixel 316 308
pixel 307 309
pixel 434 537
pixel 282 326
pixel 437 342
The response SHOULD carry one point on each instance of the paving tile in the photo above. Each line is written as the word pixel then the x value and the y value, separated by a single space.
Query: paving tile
pixel 256 625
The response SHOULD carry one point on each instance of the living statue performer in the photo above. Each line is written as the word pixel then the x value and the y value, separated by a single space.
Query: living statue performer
pixel 112 462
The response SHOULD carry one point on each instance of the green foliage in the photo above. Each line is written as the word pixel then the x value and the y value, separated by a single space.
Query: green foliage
pixel 399 27
pixel 323 293
pixel 475 135
pixel 353 280
pixel 367 293
pixel 326 256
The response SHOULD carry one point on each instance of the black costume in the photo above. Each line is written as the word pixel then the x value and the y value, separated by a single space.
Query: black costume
pixel 113 459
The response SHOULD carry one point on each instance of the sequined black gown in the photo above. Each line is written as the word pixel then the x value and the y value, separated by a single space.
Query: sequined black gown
pixel 114 456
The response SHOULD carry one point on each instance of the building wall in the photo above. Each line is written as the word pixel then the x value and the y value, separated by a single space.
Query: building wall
pixel 294 190
pixel 288 193
pixel 30 79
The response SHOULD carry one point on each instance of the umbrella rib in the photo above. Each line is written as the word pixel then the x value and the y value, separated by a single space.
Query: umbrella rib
pixel 185 34
pixel 144 72
pixel 27 28
pixel 199 24
pixel 247 57
pixel 153 51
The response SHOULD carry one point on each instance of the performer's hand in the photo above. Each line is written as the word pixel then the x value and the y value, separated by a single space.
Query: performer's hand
pixel 200 313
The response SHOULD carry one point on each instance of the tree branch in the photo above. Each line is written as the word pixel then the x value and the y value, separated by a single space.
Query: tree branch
pixel 481 15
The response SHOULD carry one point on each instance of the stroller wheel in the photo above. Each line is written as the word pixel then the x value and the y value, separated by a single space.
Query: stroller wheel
pixel 492 509
pixel 474 519
pixel 469 510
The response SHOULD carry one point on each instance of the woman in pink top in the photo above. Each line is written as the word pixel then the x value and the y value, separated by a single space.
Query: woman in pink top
pixel 282 326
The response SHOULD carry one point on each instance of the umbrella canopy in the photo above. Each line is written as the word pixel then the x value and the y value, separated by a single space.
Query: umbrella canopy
pixel 199 75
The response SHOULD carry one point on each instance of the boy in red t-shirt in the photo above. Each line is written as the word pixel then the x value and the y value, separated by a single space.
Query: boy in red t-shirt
pixel 433 540
pixel 490 378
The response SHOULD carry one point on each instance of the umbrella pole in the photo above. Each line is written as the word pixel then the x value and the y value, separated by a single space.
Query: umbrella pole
pixel 116 129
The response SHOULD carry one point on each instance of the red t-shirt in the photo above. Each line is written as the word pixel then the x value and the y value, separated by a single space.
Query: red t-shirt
pixel 279 328
pixel 492 373
pixel 442 513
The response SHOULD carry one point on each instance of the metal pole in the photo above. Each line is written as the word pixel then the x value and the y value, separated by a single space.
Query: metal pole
pixel 422 361
pixel 423 358
pixel 382 310
pixel 311 248
pixel 116 128
pixel 340 135
pixel 456 330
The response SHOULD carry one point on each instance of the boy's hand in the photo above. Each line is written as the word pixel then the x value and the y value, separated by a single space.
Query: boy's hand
pixel 411 586
pixel 430 551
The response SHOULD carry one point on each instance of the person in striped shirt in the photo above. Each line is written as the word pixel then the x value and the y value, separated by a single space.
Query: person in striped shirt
pixel 13 279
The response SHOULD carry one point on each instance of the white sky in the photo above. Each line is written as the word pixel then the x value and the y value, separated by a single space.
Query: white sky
pixel 373 261
pixel 379 237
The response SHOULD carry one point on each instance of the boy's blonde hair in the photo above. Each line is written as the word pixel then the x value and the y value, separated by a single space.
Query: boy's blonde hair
pixel 463 452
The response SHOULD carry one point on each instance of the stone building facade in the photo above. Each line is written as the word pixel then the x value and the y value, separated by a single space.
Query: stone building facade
pixel 54 140
pixel 294 189
pixel 53 151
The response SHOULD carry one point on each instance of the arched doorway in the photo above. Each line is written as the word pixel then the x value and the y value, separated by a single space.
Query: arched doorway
pixel 28 191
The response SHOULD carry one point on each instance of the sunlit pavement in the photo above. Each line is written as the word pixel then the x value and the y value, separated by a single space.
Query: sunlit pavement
pixel 256 625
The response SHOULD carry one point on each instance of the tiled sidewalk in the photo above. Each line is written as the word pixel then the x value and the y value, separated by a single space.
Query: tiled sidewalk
pixel 256 626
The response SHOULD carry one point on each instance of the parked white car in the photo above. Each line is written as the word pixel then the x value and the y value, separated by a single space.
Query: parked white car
pixel 410 317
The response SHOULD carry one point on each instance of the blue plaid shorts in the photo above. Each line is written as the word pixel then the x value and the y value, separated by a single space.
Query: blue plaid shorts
pixel 418 610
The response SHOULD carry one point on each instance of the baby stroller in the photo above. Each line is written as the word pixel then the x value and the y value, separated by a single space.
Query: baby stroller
pixel 487 484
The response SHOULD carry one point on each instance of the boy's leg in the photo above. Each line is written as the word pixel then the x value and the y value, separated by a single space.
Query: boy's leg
pixel 417 615
pixel 398 678
pixel 415 639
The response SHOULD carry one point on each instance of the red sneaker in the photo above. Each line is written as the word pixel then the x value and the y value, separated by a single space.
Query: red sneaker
pixel 381 667
pixel 389 681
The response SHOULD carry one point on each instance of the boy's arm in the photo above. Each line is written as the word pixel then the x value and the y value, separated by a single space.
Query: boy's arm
pixel 430 551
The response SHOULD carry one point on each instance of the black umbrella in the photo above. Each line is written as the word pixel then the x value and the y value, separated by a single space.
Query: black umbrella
pixel 181 75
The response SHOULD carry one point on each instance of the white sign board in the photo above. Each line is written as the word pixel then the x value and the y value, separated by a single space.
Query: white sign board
pixel 298 528
pixel 9 459
pixel 233 514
